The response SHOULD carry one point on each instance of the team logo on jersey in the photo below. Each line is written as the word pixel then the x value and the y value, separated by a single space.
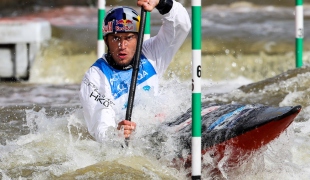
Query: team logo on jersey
pixel 113 79
pixel 120 89
pixel 141 75
pixel 120 80
pixel 106 102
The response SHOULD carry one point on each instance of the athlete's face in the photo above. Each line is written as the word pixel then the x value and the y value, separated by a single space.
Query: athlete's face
pixel 122 47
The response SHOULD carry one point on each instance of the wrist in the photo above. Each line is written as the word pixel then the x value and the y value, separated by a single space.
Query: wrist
pixel 164 6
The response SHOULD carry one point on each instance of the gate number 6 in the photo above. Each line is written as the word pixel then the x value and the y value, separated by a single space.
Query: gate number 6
pixel 199 71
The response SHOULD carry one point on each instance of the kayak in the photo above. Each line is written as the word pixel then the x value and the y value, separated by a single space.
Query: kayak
pixel 234 131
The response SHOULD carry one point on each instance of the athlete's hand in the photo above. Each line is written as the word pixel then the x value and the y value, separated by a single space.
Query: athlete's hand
pixel 148 5
pixel 127 126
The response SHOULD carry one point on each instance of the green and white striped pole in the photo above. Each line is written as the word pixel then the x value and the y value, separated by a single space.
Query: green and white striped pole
pixel 299 20
pixel 147 30
pixel 196 89
pixel 100 42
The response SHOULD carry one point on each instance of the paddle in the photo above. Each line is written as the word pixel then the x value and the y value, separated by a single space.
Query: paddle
pixel 135 70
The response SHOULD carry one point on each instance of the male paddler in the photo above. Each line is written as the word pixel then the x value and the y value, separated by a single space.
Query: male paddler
pixel 104 88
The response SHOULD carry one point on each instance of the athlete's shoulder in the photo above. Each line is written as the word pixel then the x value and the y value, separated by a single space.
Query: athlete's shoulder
pixel 100 62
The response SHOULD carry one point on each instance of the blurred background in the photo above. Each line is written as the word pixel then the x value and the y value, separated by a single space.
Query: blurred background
pixel 20 5
pixel 253 39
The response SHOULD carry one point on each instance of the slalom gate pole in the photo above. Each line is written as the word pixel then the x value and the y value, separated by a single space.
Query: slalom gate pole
pixel 147 31
pixel 196 89
pixel 100 41
pixel 299 20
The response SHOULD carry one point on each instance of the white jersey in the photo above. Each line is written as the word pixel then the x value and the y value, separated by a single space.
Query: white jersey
pixel 104 89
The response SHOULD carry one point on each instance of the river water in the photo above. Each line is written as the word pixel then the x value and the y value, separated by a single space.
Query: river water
pixel 247 57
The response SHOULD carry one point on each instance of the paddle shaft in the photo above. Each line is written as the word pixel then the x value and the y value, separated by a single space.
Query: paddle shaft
pixel 135 70
pixel 136 64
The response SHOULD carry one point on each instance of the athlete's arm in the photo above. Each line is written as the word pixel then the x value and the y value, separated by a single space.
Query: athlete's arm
pixel 97 104
pixel 174 30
